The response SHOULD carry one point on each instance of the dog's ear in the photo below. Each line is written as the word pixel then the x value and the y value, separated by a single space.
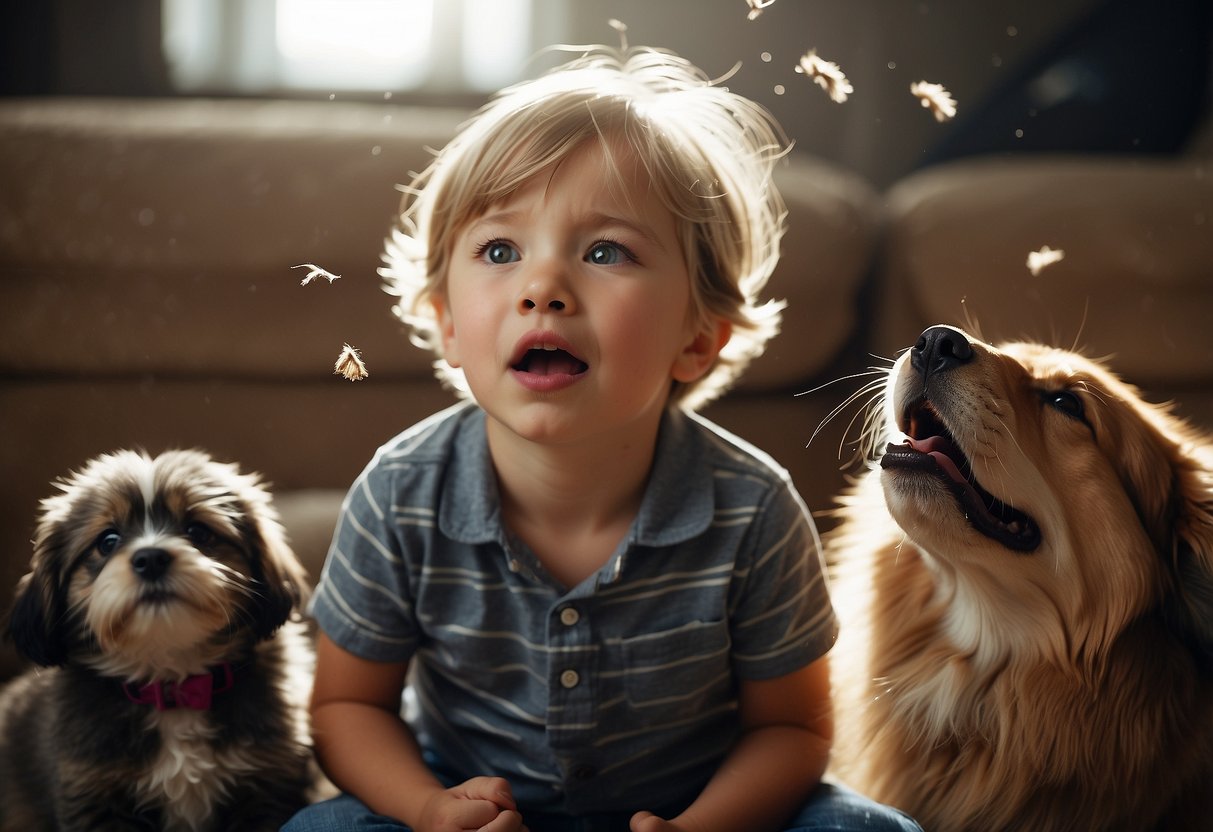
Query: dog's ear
pixel 281 584
pixel 1193 548
pixel 36 620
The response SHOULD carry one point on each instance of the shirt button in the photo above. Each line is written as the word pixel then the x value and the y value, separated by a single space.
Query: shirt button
pixel 570 678
pixel 569 616
pixel 584 772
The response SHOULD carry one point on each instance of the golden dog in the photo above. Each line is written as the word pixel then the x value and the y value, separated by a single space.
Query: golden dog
pixel 1026 588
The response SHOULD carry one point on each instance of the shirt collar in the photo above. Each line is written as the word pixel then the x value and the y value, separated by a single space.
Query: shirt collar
pixel 678 502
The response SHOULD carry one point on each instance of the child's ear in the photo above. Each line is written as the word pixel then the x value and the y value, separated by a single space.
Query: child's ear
pixel 446 329
pixel 698 356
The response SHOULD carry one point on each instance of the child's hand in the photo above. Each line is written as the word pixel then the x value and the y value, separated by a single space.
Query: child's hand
pixel 648 822
pixel 482 803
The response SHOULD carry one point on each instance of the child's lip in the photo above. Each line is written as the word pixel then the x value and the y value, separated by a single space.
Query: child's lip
pixel 549 380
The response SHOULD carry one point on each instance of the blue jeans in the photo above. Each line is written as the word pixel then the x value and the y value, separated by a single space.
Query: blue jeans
pixel 831 807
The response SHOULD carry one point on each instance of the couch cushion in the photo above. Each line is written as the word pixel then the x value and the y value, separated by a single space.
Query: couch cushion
pixel 826 257
pixel 191 213
pixel 158 237
pixel 1136 281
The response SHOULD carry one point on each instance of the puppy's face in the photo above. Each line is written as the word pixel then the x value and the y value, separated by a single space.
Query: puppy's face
pixel 1045 489
pixel 154 567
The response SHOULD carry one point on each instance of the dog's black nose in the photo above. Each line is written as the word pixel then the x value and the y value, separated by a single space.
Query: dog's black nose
pixel 150 564
pixel 940 348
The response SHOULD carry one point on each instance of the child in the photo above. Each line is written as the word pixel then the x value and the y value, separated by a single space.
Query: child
pixel 611 613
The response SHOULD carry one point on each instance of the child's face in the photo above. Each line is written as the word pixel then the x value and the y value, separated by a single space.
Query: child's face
pixel 568 306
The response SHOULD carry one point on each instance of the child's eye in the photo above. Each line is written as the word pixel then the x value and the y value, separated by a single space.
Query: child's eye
pixel 606 253
pixel 498 252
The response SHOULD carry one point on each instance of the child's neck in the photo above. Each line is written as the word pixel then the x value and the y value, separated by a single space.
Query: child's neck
pixel 571 504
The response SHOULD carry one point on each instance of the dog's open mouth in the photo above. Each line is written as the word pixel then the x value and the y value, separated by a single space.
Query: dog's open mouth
pixel 932 449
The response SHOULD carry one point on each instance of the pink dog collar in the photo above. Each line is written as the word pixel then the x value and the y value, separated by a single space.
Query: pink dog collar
pixel 193 692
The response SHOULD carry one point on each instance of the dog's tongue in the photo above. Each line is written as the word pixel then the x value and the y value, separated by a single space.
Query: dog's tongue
pixel 940 449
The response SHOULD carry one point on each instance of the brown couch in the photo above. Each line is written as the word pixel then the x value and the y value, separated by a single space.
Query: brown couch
pixel 147 296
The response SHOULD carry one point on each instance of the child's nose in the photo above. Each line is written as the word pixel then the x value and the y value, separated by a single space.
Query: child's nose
pixel 545 296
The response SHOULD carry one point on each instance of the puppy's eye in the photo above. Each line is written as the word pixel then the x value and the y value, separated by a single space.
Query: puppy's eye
pixel 107 542
pixel 199 534
pixel 1066 402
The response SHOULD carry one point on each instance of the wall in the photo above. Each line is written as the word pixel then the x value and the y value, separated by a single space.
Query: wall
pixel 882 46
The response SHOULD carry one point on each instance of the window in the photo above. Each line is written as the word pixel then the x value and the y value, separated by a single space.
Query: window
pixel 367 46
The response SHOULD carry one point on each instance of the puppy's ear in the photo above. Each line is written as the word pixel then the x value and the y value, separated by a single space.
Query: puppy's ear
pixel 281 584
pixel 1193 550
pixel 36 621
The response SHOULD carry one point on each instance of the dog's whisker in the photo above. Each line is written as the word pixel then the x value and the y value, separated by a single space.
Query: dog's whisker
pixel 1082 324
pixel 1095 390
pixel 1011 435
pixel 874 386
pixel 970 321
pixel 871 371
pixel 898 547
pixel 866 441
pixel 874 427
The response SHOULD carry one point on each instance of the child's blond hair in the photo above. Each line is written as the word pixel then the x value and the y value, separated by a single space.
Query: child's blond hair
pixel 708 152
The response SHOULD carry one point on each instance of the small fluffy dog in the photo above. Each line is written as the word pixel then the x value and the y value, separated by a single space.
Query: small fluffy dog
pixel 1026 588
pixel 157 597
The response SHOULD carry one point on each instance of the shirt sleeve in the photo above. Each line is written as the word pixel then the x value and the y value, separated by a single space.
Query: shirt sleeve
pixel 362 601
pixel 782 618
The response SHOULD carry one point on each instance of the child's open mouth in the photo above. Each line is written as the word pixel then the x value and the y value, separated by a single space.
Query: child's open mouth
pixel 550 361
pixel 543 362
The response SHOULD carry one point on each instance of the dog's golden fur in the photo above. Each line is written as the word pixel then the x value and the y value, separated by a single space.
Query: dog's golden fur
pixel 1045 662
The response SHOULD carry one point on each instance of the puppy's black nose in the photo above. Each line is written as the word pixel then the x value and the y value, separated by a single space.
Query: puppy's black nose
pixel 939 349
pixel 150 564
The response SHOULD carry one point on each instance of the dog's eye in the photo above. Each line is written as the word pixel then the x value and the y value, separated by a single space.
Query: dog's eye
pixel 1065 401
pixel 107 542
pixel 199 534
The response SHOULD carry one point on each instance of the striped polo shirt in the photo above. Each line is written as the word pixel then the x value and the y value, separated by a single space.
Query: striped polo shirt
pixel 618 693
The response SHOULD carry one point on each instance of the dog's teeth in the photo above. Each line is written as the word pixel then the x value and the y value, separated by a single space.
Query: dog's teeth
pixel 1013 527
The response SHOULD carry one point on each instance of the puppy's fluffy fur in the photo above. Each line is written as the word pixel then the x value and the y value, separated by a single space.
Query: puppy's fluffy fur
pixel 1026 587
pixel 155 570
